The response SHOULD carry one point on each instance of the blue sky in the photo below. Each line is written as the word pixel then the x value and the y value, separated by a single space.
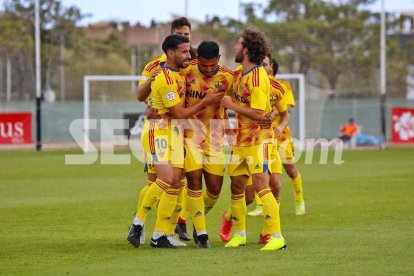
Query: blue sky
pixel 144 10
pixel 160 10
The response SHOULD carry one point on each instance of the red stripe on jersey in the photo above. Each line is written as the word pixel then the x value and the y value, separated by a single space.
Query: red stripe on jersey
pixel 152 66
pixel 254 78
pixel 151 137
pixel 256 74
pixel 277 85
pixel 167 76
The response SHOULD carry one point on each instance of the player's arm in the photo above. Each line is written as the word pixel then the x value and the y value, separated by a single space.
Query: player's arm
pixel 179 112
pixel 284 121
pixel 251 113
pixel 144 88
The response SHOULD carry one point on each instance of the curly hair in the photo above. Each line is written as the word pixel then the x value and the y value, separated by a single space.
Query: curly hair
pixel 256 44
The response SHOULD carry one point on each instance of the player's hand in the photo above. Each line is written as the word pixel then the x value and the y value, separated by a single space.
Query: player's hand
pixel 152 114
pixel 278 131
pixel 267 120
pixel 154 74
pixel 213 98
pixel 226 102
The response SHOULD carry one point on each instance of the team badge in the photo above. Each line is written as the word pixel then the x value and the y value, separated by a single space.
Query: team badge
pixel 218 85
pixel 170 96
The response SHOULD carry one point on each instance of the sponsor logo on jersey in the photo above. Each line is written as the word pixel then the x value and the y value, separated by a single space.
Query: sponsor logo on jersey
pixel 195 94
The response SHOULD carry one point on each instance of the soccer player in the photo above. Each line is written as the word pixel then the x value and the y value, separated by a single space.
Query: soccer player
pixel 204 137
pixel 286 146
pixel 163 141
pixel 251 154
pixel 277 120
pixel 180 26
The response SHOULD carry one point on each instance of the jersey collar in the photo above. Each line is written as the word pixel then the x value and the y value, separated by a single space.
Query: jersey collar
pixel 251 69
pixel 215 72
pixel 169 68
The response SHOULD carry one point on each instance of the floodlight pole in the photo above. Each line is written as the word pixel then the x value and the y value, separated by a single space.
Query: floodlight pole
pixel 383 76
pixel 38 78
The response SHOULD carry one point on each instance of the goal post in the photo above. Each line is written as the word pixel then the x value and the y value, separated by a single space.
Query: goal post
pixel 86 98
pixel 301 97
pixel 87 79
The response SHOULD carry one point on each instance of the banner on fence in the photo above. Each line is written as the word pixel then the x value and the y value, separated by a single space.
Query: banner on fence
pixel 402 125
pixel 15 128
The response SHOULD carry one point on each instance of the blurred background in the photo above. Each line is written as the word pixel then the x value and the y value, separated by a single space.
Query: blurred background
pixel 335 44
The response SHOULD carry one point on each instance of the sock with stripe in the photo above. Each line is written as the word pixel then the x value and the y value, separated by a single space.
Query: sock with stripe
pixel 209 201
pixel 238 212
pixel 168 201
pixel 152 195
pixel 196 208
pixel 271 223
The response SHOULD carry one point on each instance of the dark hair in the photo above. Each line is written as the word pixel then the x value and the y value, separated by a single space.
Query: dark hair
pixel 275 66
pixel 180 22
pixel 171 42
pixel 208 49
pixel 256 44
pixel 351 120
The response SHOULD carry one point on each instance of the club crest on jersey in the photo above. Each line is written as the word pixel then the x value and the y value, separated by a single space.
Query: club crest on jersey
pixel 193 81
pixel 218 85
pixel 170 96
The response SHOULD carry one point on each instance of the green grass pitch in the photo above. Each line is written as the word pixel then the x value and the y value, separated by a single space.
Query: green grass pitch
pixel 73 219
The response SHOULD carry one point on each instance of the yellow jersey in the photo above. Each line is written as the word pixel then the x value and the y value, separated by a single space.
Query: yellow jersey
pixel 289 100
pixel 252 89
pixel 277 101
pixel 197 87
pixel 166 90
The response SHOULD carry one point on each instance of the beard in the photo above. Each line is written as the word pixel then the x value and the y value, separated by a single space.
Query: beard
pixel 238 58
pixel 182 63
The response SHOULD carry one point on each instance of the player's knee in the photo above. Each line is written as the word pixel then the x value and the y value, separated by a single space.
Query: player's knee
pixel 291 170
pixel 214 189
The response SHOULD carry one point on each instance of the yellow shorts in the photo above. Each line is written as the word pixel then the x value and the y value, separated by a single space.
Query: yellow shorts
pixel 199 159
pixel 250 160
pixel 163 143
pixel 286 151
pixel 276 164
pixel 148 163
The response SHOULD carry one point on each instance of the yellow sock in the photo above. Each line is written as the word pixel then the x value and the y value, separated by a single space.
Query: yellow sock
pixel 184 210
pixel 152 195
pixel 270 212
pixel 168 201
pixel 258 200
pixel 143 192
pixel 177 211
pixel 196 208
pixel 209 201
pixel 297 187
pixel 238 212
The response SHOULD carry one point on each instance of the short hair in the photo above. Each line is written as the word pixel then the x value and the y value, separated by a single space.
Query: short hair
pixel 172 42
pixel 256 44
pixel 275 66
pixel 351 120
pixel 180 22
pixel 208 49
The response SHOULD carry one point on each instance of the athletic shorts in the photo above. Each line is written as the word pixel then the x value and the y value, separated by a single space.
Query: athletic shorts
pixel 163 143
pixel 250 160
pixel 199 159
pixel 286 151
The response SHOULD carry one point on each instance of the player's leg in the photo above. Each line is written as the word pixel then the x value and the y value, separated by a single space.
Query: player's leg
pixel 258 210
pixel 260 176
pixel 287 154
pixel 175 240
pixel 196 208
pixel 238 210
